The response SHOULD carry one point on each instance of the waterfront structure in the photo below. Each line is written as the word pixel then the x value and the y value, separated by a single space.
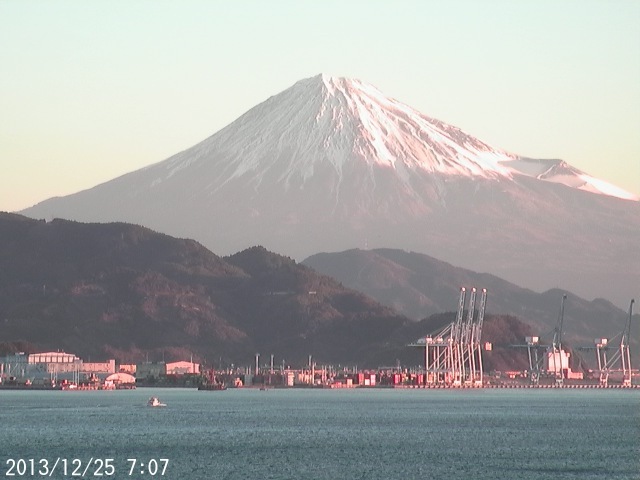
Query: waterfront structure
pixel 620 359
pixel 120 380
pixel 157 369
pixel 150 369
pixel 51 367
pixel 453 356
pixel 182 368
pixel 129 368
pixel 40 365
pixel 559 362
pixel 553 353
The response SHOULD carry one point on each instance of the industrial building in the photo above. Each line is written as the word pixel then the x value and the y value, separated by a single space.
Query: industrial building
pixel 50 367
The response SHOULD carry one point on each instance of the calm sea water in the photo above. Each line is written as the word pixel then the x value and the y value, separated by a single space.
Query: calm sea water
pixel 327 434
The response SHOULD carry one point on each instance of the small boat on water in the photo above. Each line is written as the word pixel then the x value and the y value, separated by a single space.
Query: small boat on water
pixel 154 402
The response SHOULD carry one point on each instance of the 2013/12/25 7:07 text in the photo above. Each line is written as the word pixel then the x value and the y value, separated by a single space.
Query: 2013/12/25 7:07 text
pixel 79 468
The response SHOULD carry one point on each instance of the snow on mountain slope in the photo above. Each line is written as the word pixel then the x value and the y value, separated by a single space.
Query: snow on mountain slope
pixel 337 120
pixel 331 164
pixel 334 121
pixel 558 171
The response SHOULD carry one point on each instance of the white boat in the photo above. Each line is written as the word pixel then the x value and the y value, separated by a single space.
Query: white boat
pixel 154 402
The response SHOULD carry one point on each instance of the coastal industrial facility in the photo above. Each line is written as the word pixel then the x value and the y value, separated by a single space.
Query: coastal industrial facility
pixel 67 371
pixel 453 358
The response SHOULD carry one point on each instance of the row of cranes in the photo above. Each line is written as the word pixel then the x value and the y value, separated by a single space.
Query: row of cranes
pixel 613 355
pixel 453 356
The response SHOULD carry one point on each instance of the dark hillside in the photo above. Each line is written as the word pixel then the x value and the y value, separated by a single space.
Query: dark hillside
pixel 124 291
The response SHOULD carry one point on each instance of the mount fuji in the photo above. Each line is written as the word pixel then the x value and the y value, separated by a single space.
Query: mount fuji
pixel 331 164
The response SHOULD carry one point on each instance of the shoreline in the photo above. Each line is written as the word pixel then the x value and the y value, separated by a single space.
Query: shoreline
pixel 340 386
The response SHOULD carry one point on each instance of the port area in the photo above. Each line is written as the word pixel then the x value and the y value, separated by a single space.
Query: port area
pixel 60 387
pixel 387 380
pixel 330 378
pixel 419 379
pixel 341 385
pixel 92 384
pixel 523 385
pixel 513 385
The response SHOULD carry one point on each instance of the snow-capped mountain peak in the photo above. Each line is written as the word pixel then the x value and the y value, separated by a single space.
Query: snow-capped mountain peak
pixel 325 120
pixel 332 163
pixel 336 122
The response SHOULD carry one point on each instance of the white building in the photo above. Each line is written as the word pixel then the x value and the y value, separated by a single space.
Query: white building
pixel 49 364
pixel 181 368
pixel 558 362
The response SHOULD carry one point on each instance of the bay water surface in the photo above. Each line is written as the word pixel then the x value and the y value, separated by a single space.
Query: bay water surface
pixel 324 434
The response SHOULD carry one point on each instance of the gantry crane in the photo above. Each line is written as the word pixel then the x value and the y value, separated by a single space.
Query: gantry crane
pixel 553 352
pixel 453 355
pixel 620 361
pixel 556 346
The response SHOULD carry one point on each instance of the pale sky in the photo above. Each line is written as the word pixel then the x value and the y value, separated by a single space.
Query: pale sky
pixel 90 90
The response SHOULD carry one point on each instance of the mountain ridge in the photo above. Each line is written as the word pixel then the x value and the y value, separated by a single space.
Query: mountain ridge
pixel 123 291
pixel 420 286
pixel 301 173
